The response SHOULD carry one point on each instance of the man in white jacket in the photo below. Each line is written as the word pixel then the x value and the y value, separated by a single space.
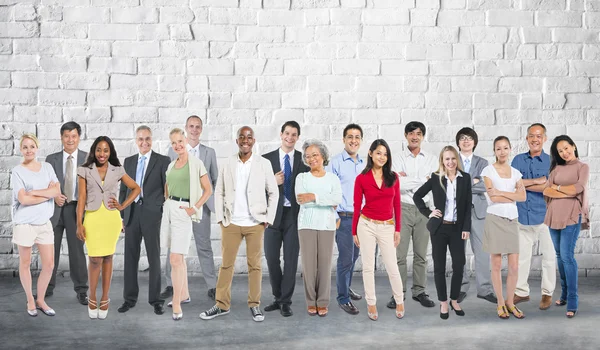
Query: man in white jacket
pixel 243 211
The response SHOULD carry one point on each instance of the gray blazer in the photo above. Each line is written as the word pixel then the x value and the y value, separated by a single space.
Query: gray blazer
pixel 153 183
pixel 479 201
pixel 262 193
pixel 97 192
pixel 209 158
pixel 56 160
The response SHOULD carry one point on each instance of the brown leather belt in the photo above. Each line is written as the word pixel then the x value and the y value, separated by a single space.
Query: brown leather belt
pixel 448 222
pixel 346 213
pixel 379 222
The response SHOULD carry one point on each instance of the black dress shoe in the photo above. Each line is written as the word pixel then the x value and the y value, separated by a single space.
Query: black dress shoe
pixel 354 295
pixel 125 307
pixel 286 310
pixel 272 307
pixel 392 303
pixel 167 293
pixel 349 308
pixel 490 297
pixel 212 293
pixel 423 298
pixel 461 297
pixel 82 298
pixel 443 316
pixel 159 309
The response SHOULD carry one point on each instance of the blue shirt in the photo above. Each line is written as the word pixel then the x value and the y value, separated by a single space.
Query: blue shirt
pixel 533 210
pixel 346 169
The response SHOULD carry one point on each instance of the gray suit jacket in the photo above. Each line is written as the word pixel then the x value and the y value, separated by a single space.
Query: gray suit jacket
pixel 153 183
pixel 209 158
pixel 478 190
pixel 56 160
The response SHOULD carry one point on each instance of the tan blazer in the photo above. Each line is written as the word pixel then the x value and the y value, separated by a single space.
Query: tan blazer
pixel 262 193
pixel 98 192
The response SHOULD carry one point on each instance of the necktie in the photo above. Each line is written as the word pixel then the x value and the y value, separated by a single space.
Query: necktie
pixel 69 179
pixel 139 174
pixel 287 177
pixel 467 165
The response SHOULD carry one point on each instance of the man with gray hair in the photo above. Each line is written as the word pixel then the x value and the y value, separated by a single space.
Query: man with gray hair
pixel 142 219
pixel 193 128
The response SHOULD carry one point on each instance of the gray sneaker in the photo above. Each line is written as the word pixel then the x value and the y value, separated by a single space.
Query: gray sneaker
pixel 257 315
pixel 213 312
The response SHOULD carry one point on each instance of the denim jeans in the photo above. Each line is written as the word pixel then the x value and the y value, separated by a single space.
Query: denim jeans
pixel 347 255
pixel 564 243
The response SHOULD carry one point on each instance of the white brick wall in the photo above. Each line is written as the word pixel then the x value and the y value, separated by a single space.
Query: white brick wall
pixel 111 65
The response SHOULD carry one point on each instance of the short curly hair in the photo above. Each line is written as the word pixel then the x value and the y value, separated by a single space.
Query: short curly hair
pixel 322 149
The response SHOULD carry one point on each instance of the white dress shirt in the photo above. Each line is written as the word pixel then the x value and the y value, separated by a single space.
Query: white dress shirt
pixel 417 169
pixel 450 211
pixel 74 174
pixel 194 150
pixel 286 202
pixel 241 209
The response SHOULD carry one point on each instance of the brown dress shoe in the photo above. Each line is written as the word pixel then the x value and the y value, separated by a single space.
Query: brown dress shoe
pixel 519 299
pixel 546 302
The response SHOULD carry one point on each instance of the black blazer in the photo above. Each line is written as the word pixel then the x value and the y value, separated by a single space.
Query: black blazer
pixel 153 183
pixel 297 168
pixel 463 200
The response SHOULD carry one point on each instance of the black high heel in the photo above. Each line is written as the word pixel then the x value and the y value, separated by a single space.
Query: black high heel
pixel 457 312
pixel 444 316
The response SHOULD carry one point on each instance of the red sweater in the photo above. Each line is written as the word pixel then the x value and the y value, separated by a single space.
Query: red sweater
pixel 380 203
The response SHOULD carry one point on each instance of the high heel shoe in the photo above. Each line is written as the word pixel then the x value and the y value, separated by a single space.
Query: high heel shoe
pixel 93 313
pixel 373 316
pixel 177 317
pixel 399 313
pixel 457 312
pixel 444 316
pixel 103 313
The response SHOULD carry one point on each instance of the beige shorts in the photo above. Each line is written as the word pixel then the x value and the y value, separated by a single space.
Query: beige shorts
pixel 176 227
pixel 27 235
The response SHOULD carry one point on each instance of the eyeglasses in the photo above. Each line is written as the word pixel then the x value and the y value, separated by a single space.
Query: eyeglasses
pixel 311 156
pixel 465 138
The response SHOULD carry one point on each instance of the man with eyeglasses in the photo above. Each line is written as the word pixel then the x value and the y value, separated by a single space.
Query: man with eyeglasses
pixel 346 166
pixel 466 140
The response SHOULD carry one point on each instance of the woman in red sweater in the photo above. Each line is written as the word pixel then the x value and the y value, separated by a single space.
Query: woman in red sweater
pixel 378 222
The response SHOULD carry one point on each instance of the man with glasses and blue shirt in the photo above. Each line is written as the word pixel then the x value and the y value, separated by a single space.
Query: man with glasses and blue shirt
pixel 346 166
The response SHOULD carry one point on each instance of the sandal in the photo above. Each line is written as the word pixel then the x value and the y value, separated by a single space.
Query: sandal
pixel 93 313
pixel 400 313
pixel 502 312
pixel 322 311
pixel 571 313
pixel 514 310
pixel 103 313
pixel 312 310
pixel 373 316
pixel 561 302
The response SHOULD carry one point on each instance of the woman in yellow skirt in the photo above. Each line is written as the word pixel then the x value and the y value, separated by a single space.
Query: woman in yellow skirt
pixel 99 180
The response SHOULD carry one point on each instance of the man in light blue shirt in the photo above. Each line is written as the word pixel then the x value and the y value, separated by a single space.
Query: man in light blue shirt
pixel 535 167
pixel 346 166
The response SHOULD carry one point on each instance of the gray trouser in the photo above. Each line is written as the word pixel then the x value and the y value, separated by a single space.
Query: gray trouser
pixel 204 248
pixel 413 226
pixel 482 260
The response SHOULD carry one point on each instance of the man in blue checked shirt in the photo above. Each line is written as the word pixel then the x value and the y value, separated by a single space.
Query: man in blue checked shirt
pixel 347 165
pixel 535 166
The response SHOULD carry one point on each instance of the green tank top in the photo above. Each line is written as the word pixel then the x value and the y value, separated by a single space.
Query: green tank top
pixel 178 181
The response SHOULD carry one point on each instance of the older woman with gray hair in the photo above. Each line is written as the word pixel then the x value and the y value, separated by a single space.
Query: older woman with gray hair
pixel 318 193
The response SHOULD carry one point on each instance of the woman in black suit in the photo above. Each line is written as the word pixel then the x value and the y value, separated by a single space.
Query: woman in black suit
pixel 449 223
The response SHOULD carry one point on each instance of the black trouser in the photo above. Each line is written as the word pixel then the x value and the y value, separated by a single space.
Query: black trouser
pixel 448 235
pixel 143 223
pixel 283 282
pixel 67 221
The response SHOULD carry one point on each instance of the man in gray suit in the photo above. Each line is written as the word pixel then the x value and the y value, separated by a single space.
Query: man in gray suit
pixel 142 219
pixel 466 140
pixel 65 165
pixel 193 128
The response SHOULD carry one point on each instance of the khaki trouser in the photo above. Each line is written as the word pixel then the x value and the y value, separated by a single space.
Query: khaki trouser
pixel 371 234
pixel 413 226
pixel 528 234
pixel 231 238
pixel 316 252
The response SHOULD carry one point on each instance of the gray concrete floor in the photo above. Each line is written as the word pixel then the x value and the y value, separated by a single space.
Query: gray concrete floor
pixel 140 328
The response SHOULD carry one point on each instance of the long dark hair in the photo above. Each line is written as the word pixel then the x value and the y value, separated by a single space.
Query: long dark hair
pixel 556 159
pixel 389 177
pixel 112 158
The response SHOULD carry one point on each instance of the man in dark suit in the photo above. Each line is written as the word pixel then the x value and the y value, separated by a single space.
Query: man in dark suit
pixel 65 165
pixel 287 164
pixel 142 219
pixel 193 128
